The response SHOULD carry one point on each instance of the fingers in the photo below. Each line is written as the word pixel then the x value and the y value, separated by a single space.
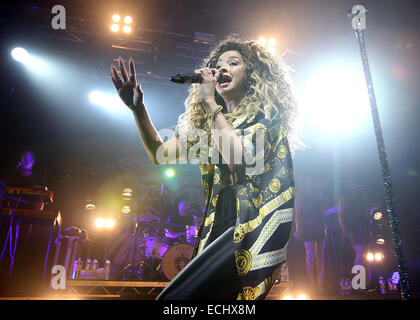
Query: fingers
pixel 123 69
pixel 132 73
pixel 116 78
pixel 209 73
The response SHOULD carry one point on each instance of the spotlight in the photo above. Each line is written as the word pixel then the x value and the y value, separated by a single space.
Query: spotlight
pixel 20 54
pixel 262 41
pixel 370 256
pixel 99 223
pixel 115 27
pixel 90 206
pixel 109 223
pixel 377 215
pixel 126 29
pixel 301 297
pixel 395 278
pixel 323 105
pixel 107 101
pixel 116 18
pixel 288 297
pixel 126 209
pixel 379 256
pixel 272 42
pixel 170 173
pixel 127 192
pixel 128 19
pixel 380 241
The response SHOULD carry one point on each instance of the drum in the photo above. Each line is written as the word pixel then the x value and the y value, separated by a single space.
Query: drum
pixel 191 234
pixel 155 249
pixel 176 258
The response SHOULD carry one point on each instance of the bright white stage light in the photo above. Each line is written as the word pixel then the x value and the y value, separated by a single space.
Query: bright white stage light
pixel 379 256
pixel 109 223
pixel 107 101
pixel 370 256
pixel 116 18
pixel 99 223
pixel 301 296
pixel 34 64
pixel 20 54
pixel 126 29
pixel 335 100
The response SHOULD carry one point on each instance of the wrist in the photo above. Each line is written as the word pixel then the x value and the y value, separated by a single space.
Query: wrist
pixel 210 105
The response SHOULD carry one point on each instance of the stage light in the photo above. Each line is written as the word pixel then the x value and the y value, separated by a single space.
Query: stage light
pixel 116 18
pixel 90 206
pixel 395 278
pixel 126 209
pixel 128 19
pixel 115 27
pixel 126 29
pixel 127 192
pixel 20 54
pixel 287 297
pixel 272 42
pixel 109 223
pixel 262 41
pixel 380 241
pixel 370 256
pixel 109 102
pixel 377 215
pixel 99 223
pixel 379 256
pixel 335 100
pixel 301 296
pixel 170 173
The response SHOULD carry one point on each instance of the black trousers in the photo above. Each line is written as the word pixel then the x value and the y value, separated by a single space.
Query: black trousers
pixel 211 275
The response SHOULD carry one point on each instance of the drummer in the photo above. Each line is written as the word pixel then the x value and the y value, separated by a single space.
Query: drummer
pixel 186 217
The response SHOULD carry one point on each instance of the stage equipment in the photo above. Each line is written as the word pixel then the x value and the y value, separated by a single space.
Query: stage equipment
pixel 358 17
pixel 18 217
pixel 176 258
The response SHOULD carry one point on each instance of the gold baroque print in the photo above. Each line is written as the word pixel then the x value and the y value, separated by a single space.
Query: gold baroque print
pixel 239 233
pixel 249 293
pixel 214 200
pixel 216 178
pixel 282 152
pixel 257 201
pixel 274 185
pixel 243 261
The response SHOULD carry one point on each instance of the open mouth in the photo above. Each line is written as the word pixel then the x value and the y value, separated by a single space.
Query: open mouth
pixel 225 80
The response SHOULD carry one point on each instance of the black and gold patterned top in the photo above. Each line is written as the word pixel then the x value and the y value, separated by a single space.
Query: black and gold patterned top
pixel 265 203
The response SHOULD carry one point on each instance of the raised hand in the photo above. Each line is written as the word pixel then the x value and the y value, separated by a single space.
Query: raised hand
pixel 127 87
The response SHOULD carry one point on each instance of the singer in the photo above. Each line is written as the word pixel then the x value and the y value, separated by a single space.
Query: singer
pixel 246 226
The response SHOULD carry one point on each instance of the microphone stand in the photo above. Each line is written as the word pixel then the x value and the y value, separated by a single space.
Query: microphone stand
pixel 358 16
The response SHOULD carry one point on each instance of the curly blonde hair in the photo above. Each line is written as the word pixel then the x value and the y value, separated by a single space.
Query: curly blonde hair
pixel 269 90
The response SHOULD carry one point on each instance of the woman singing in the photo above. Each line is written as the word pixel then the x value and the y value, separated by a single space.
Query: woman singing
pixel 238 121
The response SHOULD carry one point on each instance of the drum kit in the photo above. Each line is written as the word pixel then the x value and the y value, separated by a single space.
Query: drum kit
pixel 161 257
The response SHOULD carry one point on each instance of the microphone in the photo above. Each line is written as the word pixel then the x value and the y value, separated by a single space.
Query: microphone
pixel 188 78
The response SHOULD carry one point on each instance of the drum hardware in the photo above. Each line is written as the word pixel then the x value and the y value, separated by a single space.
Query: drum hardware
pixel 163 258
